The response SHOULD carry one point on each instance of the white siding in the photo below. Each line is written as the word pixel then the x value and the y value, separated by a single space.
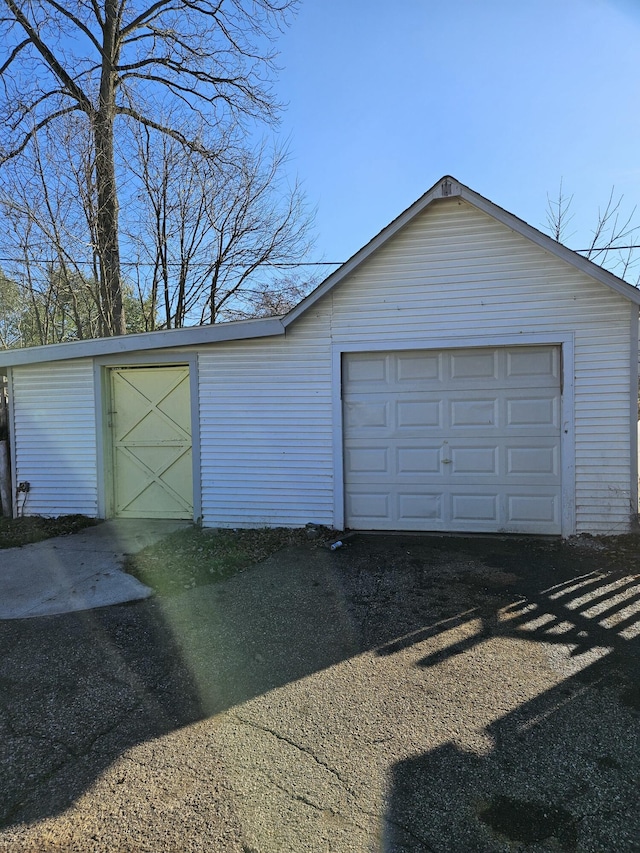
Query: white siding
pixel 266 429
pixel 269 416
pixel 55 450
pixel 452 274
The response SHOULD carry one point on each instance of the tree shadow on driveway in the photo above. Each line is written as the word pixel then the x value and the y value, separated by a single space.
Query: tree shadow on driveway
pixel 560 771
pixel 423 614
pixel 79 690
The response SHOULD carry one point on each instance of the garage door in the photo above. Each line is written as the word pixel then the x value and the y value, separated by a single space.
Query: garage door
pixel 455 440
pixel 150 421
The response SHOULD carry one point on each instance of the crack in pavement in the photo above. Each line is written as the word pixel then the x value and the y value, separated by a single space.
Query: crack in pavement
pixel 307 802
pixel 344 784
pixel 49 740
pixel 297 746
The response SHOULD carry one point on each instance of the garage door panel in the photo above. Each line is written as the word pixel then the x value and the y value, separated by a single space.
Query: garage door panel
pixel 474 460
pixel 507 410
pixel 534 461
pixel 408 460
pixel 367 368
pixel 413 413
pixel 415 507
pixel 481 412
pixel 466 364
pixel 419 367
pixel 506 459
pixel 370 507
pixel 368 460
pixel 374 414
pixel 467 507
pixel 396 460
pixel 531 362
pixel 542 410
pixel 462 440
pixel 414 461
pixel 446 510
pixel 528 508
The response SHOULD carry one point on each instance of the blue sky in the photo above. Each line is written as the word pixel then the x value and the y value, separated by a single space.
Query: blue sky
pixel 508 96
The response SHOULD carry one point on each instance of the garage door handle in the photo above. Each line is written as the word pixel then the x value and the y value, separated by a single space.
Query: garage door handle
pixel 446 461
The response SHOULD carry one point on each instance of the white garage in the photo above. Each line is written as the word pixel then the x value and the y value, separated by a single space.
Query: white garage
pixel 462 372
pixel 459 440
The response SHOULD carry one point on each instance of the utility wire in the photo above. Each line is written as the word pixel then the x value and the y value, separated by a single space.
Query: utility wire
pixel 276 264
pixel 606 248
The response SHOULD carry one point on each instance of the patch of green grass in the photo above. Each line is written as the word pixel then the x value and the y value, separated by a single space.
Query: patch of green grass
pixel 199 556
pixel 22 531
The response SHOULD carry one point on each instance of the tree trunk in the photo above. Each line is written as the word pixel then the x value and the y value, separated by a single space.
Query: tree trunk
pixel 113 319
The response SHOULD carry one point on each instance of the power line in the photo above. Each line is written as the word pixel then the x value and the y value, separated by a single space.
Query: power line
pixel 607 248
pixel 275 264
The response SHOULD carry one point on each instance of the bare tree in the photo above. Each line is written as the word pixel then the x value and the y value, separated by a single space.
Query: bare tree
pixel 270 300
pixel 47 222
pixel 559 215
pixel 40 220
pixel 614 238
pixel 221 232
pixel 119 64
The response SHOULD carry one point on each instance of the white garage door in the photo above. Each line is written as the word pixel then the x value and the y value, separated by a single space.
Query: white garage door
pixel 459 440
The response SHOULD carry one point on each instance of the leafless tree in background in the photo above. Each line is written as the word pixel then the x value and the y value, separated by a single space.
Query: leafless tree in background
pixel 615 237
pixel 218 231
pixel 47 227
pixel 121 65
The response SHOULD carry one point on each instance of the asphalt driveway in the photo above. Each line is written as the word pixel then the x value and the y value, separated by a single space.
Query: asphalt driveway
pixel 398 694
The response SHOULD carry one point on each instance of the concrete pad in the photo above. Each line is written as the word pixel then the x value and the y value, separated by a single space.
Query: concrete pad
pixel 77 572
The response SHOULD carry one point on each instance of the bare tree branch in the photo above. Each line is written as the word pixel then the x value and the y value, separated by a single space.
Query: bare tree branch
pixel 50 58
pixel 13 55
pixel 613 238
pixel 122 64
pixel 33 133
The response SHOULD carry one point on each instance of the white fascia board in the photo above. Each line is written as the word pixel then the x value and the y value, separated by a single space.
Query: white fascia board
pixel 449 187
pixel 146 341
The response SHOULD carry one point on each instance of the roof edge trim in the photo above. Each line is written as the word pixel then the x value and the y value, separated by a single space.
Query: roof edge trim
pixel 145 341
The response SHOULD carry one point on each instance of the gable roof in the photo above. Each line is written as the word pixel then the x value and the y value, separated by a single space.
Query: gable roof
pixel 447 187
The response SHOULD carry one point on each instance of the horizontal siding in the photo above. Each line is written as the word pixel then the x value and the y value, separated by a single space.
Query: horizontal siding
pixel 266 430
pixel 55 445
pixel 265 406
pixel 454 272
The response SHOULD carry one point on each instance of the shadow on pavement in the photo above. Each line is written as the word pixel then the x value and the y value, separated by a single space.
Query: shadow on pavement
pixel 561 771
pixel 561 775
pixel 78 690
